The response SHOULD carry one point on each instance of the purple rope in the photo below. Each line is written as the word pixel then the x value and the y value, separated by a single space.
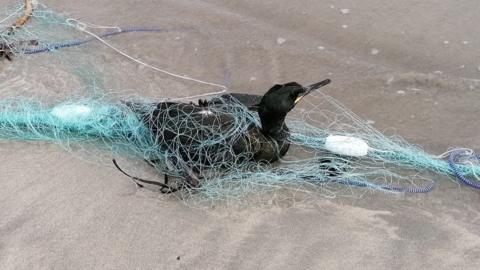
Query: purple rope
pixel 424 189
pixel 452 161
pixel 77 42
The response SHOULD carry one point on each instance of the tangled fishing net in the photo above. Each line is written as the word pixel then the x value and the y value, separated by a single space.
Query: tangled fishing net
pixel 116 124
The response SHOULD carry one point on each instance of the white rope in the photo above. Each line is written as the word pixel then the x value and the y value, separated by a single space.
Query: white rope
pixel 82 27
pixel 473 169
pixel 447 153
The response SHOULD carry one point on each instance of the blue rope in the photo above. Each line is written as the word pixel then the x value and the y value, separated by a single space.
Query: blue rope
pixel 77 42
pixel 424 189
pixel 452 161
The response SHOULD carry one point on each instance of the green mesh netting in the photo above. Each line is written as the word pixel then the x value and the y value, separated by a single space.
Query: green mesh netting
pixel 71 110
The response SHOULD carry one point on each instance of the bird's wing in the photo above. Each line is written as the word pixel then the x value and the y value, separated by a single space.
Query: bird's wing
pixel 248 100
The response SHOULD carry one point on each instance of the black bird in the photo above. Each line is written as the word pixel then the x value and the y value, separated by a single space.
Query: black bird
pixel 183 128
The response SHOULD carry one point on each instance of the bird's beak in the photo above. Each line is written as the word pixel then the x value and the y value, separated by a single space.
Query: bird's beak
pixel 311 88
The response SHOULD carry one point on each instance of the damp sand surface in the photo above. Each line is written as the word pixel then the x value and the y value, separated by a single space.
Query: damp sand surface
pixel 407 67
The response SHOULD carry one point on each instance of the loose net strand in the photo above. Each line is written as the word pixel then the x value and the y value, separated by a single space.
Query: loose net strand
pixel 82 27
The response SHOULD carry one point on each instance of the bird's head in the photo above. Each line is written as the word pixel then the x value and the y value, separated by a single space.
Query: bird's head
pixel 280 100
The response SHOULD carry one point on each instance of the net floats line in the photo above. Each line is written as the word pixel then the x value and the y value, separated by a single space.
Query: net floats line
pixel 459 162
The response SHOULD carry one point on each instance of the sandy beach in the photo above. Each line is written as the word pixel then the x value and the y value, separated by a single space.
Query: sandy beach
pixel 408 67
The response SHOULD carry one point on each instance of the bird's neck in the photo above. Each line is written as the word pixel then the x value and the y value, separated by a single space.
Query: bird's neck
pixel 273 125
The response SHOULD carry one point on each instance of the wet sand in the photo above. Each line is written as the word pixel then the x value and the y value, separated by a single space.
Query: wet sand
pixel 409 66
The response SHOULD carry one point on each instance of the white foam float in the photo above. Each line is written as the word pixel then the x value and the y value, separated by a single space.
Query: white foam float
pixel 71 112
pixel 346 146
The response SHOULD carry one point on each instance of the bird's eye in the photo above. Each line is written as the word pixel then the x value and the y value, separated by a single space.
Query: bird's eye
pixel 293 95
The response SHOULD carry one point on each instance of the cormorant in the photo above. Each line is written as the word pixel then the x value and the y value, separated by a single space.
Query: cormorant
pixel 183 128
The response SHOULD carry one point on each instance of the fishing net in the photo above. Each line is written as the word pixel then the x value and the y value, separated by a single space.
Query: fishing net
pixel 84 107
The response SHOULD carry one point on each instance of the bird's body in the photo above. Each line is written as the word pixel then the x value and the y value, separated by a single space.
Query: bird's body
pixel 202 134
pixel 224 131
